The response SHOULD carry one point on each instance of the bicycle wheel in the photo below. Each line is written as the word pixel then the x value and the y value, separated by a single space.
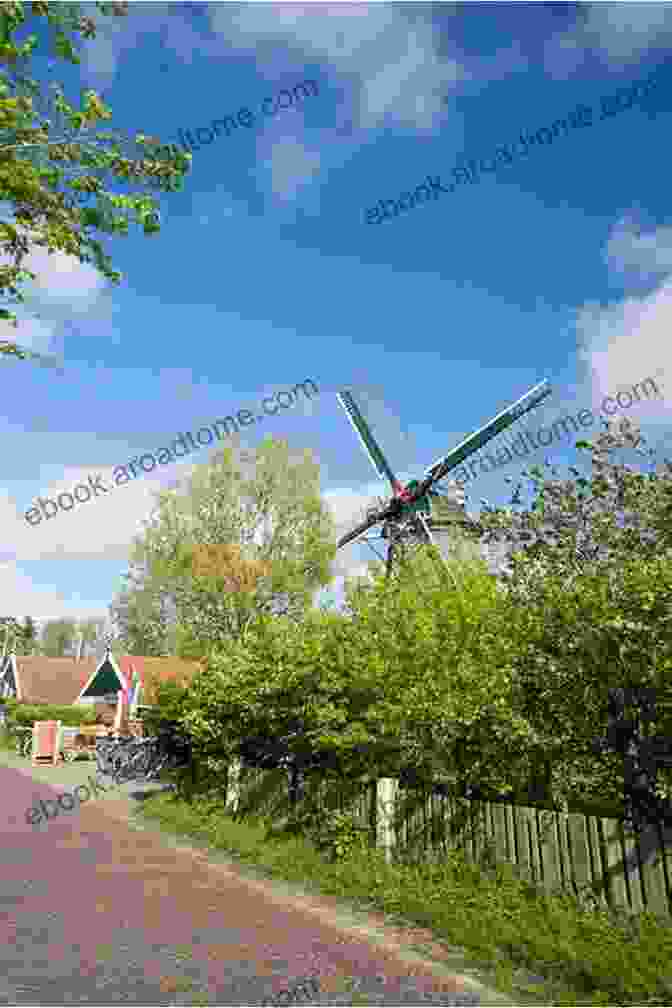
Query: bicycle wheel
pixel 126 751
pixel 102 756
pixel 159 765
pixel 119 761
pixel 156 761
pixel 136 763
pixel 148 758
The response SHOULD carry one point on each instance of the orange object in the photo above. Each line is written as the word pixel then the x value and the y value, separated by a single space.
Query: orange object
pixel 226 561
pixel 46 737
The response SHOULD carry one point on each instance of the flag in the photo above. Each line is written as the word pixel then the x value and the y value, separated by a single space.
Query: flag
pixel 119 717
pixel 135 689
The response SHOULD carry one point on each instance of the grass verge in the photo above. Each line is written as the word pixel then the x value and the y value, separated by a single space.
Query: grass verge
pixel 580 956
pixel 7 741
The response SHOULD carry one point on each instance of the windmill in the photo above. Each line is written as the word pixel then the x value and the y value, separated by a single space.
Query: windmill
pixel 415 511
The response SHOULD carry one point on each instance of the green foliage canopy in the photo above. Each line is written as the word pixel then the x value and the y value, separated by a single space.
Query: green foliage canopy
pixel 36 152
pixel 274 515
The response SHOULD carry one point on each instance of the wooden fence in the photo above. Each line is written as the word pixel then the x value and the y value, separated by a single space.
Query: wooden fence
pixel 576 853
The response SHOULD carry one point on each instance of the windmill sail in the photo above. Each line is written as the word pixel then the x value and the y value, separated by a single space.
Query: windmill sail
pixel 369 443
pixel 480 437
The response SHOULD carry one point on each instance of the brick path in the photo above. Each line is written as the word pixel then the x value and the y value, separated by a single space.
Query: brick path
pixel 95 911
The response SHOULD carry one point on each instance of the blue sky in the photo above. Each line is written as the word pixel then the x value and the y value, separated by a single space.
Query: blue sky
pixel 266 273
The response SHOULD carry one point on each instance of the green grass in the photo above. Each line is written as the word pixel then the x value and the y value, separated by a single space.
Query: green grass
pixel 183 952
pixel 503 925
pixel 7 741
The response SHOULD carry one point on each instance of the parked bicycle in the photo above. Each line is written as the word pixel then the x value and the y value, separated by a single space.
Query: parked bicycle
pixel 24 741
pixel 110 753
pixel 134 758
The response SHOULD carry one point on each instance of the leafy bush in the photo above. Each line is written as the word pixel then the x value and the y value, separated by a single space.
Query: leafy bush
pixel 589 592
pixel 414 674
pixel 23 715
pixel 337 835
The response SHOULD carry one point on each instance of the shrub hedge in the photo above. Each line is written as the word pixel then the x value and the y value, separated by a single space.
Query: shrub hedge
pixel 22 715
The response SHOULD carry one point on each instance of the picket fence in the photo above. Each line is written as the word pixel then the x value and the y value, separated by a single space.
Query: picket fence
pixel 576 853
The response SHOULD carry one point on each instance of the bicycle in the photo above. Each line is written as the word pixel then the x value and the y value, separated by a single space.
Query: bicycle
pixel 104 749
pixel 133 759
pixel 119 755
pixel 110 754
pixel 24 741
pixel 149 760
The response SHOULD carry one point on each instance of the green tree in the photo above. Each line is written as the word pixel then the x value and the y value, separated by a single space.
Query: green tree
pixel 91 632
pixel 11 635
pixel 140 614
pixel 277 520
pixel 29 636
pixel 415 675
pixel 44 163
pixel 17 637
pixel 589 591
pixel 59 638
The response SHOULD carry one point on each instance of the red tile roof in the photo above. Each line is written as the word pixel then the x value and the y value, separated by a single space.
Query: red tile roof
pixel 61 680
pixel 152 671
pixel 52 680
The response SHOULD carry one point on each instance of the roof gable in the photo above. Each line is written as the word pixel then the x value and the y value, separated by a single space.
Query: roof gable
pixel 67 680
pixel 51 680
pixel 105 680
pixel 152 671
pixel 8 679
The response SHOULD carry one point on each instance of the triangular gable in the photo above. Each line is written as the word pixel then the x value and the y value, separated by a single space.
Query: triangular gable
pixel 105 680
pixel 152 671
pixel 42 680
pixel 9 679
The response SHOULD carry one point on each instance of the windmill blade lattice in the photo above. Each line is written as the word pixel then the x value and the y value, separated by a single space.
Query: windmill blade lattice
pixel 367 440
pixel 479 438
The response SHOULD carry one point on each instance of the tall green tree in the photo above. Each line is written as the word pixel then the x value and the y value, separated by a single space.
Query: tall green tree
pixel 59 638
pixel 45 162
pixel 29 636
pixel 11 635
pixel 22 638
pixel 91 632
pixel 274 515
pixel 141 615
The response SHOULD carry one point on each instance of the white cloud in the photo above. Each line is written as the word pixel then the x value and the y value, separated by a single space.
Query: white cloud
pixel 395 60
pixel 116 35
pixel 101 528
pixel 347 507
pixel 291 165
pixel 61 277
pixel 22 596
pixel 618 34
pixel 63 287
pixel 346 504
pixel 628 341
pixel 32 333
pixel 630 248
pixel 623 32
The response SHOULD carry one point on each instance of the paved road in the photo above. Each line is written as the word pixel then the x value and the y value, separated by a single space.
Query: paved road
pixel 94 911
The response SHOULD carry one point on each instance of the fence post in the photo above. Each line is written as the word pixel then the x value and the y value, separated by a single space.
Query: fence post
pixel 233 785
pixel 386 794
